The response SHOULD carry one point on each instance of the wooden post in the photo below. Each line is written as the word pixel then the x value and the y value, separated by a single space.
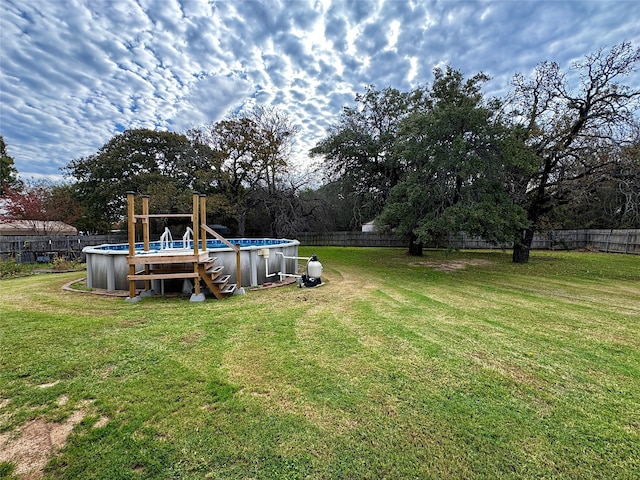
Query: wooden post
pixel 626 243
pixel 145 235
pixel 145 221
pixel 131 226
pixel 203 221
pixel 196 229
pixel 196 224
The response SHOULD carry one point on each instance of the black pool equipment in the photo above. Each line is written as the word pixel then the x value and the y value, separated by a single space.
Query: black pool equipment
pixel 313 277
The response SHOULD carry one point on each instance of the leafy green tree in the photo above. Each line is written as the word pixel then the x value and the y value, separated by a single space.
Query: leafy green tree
pixel 8 172
pixel 570 131
pixel 140 160
pixel 234 142
pixel 359 149
pixel 458 157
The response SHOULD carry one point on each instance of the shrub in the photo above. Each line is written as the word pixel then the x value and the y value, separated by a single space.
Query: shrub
pixel 60 263
pixel 11 268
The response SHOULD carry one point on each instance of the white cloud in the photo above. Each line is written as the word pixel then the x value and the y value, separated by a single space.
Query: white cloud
pixel 73 74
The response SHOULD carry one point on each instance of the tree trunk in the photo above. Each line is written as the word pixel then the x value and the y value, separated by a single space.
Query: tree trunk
pixel 415 247
pixel 522 246
pixel 242 224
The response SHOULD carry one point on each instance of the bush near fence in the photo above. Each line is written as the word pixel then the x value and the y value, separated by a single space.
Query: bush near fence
pixel 33 248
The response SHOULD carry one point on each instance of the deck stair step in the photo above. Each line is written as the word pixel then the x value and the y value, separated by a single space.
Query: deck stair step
pixel 228 289
pixel 215 271
pixel 217 283
pixel 209 262
pixel 223 280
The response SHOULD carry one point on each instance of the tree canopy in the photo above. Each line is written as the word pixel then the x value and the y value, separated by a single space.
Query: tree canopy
pixel 434 162
pixel 8 172
pixel 560 150
pixel 573 133
pixel 140 160
pixel 359 151
pixel 250 163
pixel 457 156
pixel 241 163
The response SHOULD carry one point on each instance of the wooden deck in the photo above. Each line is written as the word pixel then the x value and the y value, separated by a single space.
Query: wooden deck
pixel 177 263
pixel 168 256
pixel 173 264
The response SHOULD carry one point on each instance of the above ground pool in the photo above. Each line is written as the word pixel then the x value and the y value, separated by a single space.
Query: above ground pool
pixel 261 259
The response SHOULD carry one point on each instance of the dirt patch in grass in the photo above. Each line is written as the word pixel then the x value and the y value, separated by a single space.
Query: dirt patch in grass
pixel 106 371
pixel 133 322
pixel 30 446
pixel 192 338
pixel 448 266
pixel 101 422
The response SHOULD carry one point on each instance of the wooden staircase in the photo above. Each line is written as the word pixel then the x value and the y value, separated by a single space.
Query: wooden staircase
pixel 214 279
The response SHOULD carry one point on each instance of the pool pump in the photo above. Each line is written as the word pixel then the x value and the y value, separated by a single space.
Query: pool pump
pixel 313 277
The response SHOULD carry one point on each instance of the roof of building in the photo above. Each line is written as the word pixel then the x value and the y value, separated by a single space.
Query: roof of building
pixel 36 227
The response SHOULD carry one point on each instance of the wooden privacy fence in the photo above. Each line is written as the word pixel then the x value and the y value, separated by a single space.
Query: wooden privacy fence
pixel 607 240
pixel 44 248
pixel 349 239
pixel 34 248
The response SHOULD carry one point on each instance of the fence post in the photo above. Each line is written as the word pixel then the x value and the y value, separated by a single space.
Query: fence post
pixel 626 244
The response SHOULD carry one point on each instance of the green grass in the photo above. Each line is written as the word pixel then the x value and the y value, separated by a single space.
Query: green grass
pixel 391 370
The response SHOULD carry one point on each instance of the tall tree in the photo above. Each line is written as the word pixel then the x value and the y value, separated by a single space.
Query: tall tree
pixel 138 160
pixel 249 161
pixel 8 172
pixel 458 156
pixel 570 132
pixel 608 199
pixel 628 182
pixel 278 192
pixel 359 149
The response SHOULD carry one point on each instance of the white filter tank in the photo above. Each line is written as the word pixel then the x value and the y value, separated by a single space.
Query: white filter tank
pixel 314 267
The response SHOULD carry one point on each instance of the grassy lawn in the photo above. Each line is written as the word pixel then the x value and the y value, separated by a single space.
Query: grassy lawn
pixel 393 369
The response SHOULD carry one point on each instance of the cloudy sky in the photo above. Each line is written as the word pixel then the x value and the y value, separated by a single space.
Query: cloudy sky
pixel 74 73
